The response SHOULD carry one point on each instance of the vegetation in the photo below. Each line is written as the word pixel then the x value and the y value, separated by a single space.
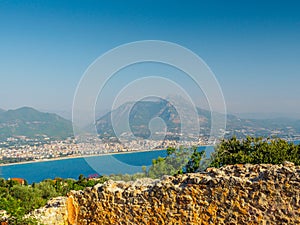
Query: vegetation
pixel 177 161
pixel 232 151
pixel 33 124
pixel 18 200
pixel 255 151
pixel 6 160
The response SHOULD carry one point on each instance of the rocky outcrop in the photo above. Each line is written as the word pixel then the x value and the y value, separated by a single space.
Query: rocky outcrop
pixel 55 212
pixel 236 194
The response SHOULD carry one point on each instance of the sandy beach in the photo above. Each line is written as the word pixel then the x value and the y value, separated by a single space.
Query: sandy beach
pixel 75 156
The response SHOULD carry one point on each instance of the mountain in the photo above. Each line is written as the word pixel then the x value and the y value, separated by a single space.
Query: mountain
pixel 141 113
pixel 294 115
pixel 31 123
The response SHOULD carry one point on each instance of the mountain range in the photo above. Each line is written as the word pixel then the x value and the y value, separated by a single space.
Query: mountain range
pixel 31 123
pixel 142 112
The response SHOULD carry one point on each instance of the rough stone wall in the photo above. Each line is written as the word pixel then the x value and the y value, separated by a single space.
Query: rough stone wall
pixel 54 213
pixel 238 194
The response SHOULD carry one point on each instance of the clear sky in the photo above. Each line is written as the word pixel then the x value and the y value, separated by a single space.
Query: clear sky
pixel 253 47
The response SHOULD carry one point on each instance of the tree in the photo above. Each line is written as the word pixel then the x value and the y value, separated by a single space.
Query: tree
pixel 46 189
pixel 255 151
pixel 81 177
pixel 18 200
pixel 177 161
pixel 194 163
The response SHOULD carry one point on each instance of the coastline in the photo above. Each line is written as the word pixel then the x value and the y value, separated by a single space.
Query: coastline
pixel 94 155
pixel 75 157
pixel 84 156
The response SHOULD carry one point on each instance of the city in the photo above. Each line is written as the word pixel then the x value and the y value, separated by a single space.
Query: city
pixel 21 149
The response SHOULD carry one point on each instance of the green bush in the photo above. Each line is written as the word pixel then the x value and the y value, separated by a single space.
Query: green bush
pixel 178 160
pixel 255 151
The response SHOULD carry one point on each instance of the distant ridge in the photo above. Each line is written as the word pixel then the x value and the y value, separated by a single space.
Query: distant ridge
pixel 141 113
pixel 31 123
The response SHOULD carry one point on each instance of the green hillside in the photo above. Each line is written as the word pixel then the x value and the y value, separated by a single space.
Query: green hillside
pixel 31 123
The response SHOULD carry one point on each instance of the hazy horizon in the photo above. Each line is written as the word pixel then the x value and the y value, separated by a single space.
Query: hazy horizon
pixel 252 47
pixel 67 114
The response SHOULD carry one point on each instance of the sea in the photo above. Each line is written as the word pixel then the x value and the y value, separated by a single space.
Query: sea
pixel 121 163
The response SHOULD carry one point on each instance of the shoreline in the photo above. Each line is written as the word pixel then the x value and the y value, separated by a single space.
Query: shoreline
pixel 87 156
pixel 74 157
pixel 84 156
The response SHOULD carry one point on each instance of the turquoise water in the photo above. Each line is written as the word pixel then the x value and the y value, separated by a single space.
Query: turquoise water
pixel 72 168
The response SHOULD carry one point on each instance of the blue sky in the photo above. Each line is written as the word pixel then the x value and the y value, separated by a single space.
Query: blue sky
pixel 252 47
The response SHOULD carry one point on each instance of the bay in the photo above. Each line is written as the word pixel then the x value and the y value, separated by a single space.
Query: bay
pixel 120 163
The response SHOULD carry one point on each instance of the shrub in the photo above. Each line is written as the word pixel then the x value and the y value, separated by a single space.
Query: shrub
pixel 255 151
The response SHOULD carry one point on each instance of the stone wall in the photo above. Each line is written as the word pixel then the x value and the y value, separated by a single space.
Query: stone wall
pixel 55 212
pixel 238 194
